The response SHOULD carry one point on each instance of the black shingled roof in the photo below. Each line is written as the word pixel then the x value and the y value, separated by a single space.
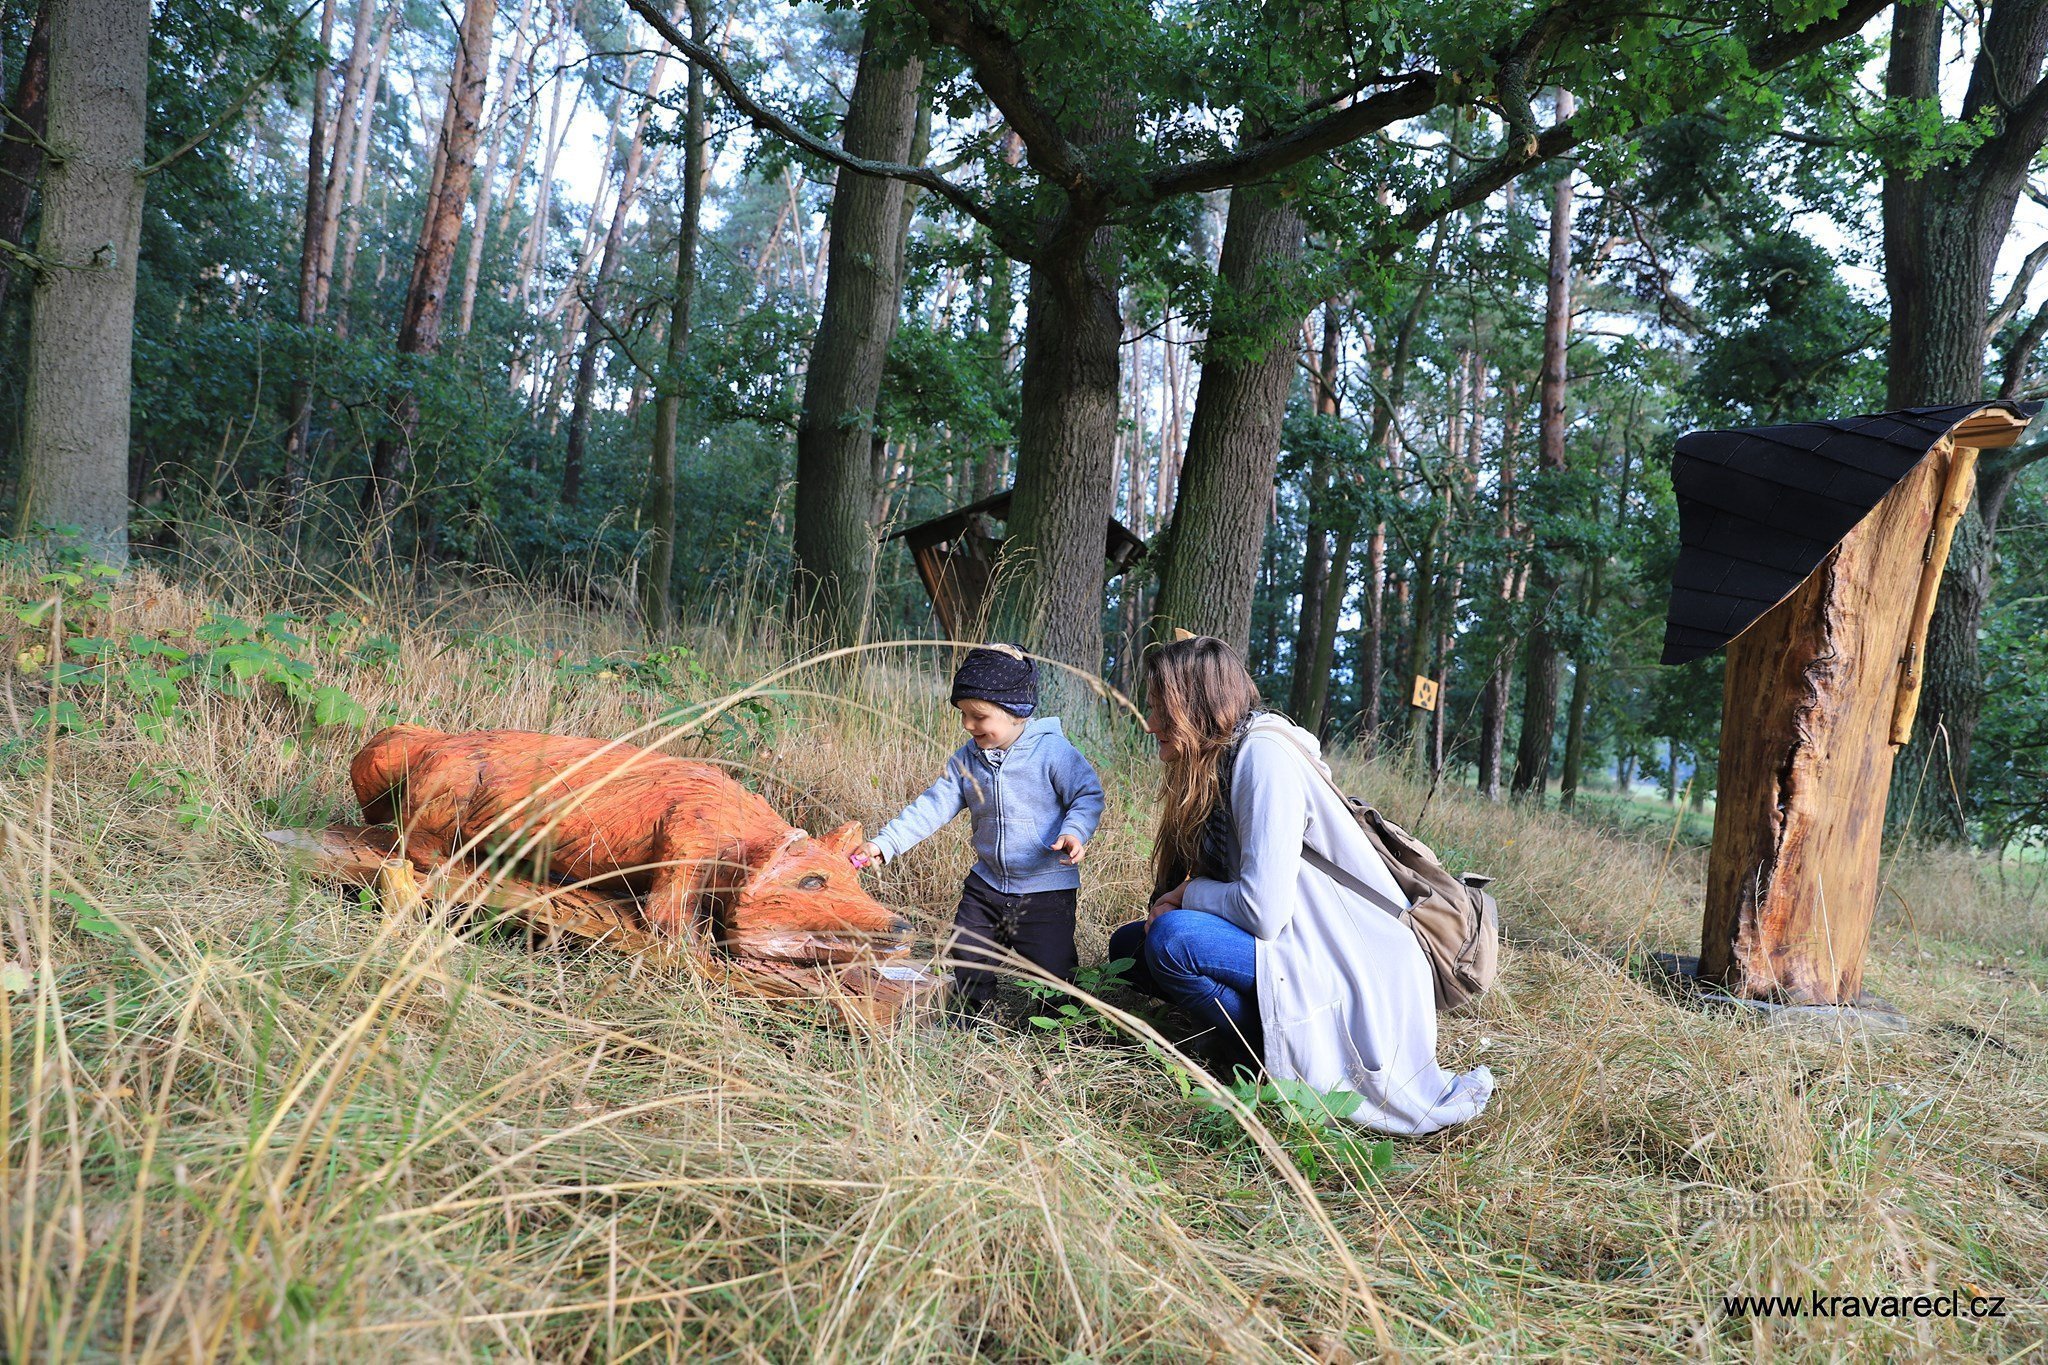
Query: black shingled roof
pixel 1760 507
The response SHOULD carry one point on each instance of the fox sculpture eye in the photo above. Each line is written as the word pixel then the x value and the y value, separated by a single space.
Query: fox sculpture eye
pixel 699 851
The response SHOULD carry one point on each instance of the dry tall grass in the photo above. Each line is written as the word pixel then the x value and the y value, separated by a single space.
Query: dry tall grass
pixel 244 1117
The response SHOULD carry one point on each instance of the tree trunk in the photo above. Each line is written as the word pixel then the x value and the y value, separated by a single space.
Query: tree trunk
pixel 359 167
pixel 1421 636
pixel 419 332
pixel 597 298
pixel 1493 706
pixel 1811 697
pixel 834 540
pixel 341 154
pixel 1540 672
pixel 1208 560
pixel 1942 233
pixel 1336 582
pixel 82 319
pixel 1576 715
pixel 1372 638
pixel 656 607
pixel 1048 588
pixel 21 158
pixel 1315 578
pixel 312 231
pixel 517 62
pixel 1051 593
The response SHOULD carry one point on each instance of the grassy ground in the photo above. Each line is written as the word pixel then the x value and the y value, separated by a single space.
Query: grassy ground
pixel 246 1117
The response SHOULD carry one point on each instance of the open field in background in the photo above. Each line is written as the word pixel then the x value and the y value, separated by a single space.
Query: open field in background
pixel 244 1117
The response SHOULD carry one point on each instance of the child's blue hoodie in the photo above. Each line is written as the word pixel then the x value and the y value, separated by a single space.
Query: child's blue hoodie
pixel 1043 788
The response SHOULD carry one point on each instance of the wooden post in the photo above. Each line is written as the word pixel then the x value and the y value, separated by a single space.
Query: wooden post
pixel 1812 692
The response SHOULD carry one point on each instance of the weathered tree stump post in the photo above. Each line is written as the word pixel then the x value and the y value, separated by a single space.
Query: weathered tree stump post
pixel 1821 686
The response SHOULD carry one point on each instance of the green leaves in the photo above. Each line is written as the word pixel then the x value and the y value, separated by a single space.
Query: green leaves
pixel 86 917
pixel 332 706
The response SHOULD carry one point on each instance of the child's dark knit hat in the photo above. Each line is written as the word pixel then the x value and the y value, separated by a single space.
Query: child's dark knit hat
pixel 1002 674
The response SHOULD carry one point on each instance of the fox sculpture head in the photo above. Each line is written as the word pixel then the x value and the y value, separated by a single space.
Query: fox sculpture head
pixel 701 853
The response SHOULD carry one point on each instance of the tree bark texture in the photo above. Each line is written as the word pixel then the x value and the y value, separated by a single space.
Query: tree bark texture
pixel 82 319
pixel 834 538
pixel 1806 761
pixel 419 332
pixel 656 606
pixel 597 298
pixel 312 229
pixel 1048 587
pixel 511 73
pixel 1493 706
pixel 1315 578
pixel 1209 557
pixel 21 158
pixel 359 167
pixel 1942 233
pixel 1336 581
pixel 1540 671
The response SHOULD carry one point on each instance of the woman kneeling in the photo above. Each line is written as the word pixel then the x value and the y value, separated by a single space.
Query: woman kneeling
pixel 1249 932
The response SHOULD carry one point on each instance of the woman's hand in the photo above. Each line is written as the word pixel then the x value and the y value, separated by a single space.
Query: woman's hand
pixel 1170 901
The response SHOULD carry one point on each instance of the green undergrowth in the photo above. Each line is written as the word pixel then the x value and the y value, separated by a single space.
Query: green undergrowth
pixel 246 1116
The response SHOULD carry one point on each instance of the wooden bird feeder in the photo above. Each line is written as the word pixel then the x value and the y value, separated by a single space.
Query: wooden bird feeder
pixel 1813 552
pixel 956 557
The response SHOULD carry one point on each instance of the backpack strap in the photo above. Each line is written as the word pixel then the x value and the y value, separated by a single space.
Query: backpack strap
pixel 1328 865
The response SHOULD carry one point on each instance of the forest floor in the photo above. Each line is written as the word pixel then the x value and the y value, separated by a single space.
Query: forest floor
pixel 245 1116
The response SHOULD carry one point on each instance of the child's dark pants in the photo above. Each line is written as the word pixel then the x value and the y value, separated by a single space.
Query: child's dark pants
pixel 1038 926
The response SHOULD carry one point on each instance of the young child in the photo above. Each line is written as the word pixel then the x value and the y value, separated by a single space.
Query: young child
pixel 1034 802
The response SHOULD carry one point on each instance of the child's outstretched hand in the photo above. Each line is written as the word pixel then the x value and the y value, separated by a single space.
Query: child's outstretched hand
pixel 1071 848
pixel 869 852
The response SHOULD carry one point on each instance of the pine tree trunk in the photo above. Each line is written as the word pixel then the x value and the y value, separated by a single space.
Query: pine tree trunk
pixel 82 319
pixel 597 298
pixel 1336 582
pixel 1577 715
pixel 341 154
pixel 1540 672
pixel 1371 644
pixel 834 540
pixel 359 168
pixel 1493 707
pixel 1315 577
pixel 312 230
pixel 517 62
pixel 1208 559
pixel 21 158
pixel 419 332
pixel 656 607
pixel 1420 637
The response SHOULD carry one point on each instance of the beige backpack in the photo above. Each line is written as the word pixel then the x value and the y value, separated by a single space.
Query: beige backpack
pixel 1454 918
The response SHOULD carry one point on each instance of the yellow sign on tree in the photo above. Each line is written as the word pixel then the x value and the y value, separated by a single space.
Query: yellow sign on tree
pixel 1424 696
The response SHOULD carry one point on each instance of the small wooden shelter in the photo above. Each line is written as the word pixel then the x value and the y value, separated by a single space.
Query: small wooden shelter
pixel 956 557
pixel 1813 553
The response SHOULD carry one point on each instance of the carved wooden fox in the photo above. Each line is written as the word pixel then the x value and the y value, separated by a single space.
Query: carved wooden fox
pixel 701 852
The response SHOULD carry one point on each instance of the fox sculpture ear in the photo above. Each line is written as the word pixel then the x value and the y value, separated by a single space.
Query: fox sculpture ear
pixel 845 839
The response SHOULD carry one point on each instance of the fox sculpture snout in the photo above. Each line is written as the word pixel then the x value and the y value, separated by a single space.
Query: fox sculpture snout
pixel 703 855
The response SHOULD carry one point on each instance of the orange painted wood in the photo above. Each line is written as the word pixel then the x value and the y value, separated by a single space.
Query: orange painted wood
pixel 1958 486
pixel 875 990
pixel 1806 761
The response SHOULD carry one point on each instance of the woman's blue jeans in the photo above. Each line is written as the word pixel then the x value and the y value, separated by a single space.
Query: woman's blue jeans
pixel 1200 962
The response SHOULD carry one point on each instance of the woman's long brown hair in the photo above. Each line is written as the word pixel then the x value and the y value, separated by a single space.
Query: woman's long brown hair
pixel 1200 689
